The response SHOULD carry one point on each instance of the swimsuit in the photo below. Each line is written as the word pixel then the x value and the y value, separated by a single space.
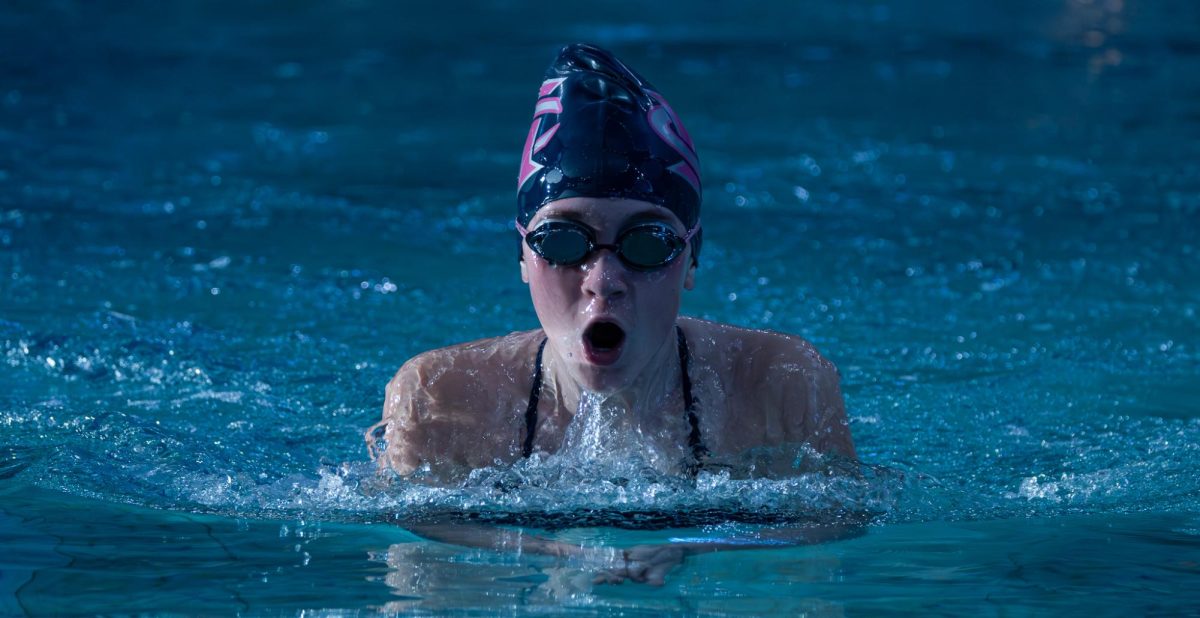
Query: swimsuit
pixel 689 404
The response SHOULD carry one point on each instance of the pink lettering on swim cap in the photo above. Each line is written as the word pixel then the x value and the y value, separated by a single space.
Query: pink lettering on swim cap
pixel 534 142
pixel 669 128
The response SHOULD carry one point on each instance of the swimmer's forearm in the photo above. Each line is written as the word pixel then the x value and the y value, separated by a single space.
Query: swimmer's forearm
pixel 774 538
pixel 503 539
pixel 500 539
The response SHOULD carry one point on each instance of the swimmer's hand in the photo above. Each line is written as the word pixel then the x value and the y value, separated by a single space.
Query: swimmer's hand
pixel 644 564
pixel 650 564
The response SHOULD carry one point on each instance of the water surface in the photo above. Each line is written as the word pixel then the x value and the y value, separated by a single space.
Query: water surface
pixel 223 226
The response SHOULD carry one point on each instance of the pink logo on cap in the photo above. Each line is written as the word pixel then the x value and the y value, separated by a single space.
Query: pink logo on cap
pixel 669 128
pixel 534 142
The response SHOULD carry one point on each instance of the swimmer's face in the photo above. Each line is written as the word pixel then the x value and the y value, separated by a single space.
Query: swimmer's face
pixel 604 319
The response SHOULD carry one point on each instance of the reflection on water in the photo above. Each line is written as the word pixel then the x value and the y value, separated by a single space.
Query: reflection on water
pixel 418 572
pixel 1097 26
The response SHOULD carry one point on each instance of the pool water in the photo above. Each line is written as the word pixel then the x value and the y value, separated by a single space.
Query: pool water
pixel 223 226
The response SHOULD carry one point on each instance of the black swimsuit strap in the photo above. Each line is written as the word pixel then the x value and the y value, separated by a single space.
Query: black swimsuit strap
pixel 534 394
pixel 695 442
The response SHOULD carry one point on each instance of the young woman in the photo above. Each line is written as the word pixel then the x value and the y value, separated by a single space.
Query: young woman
pixel 608 209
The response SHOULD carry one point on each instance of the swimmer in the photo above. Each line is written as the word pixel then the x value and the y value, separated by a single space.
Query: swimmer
pixel 608 217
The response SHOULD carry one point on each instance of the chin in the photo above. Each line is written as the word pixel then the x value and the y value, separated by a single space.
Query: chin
pixel 603 380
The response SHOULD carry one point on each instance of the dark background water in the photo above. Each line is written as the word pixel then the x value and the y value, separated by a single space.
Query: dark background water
pixel 224 225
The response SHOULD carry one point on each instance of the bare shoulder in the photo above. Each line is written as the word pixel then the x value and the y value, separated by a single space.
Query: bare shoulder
pixel 457 406
pixel 468 370
pixel 776 387
pixel 760 353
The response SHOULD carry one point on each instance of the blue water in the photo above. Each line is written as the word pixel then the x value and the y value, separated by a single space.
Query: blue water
pixel 223 226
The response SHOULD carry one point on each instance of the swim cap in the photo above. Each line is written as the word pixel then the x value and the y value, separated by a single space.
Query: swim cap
pixel 601 130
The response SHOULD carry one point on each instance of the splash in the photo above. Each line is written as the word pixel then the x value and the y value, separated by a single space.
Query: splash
pixel 614 470
pixel 603 430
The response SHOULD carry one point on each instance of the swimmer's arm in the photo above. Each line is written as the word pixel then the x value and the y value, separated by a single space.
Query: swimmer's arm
pixel 482 536
pixel 651 563
pixel 385 442
pixel 810 398
pixel 414 428
pixel 613 564
pixel 506 539
pixel 781 536
pixel 831 431
pixel 648 563
pixel 442 417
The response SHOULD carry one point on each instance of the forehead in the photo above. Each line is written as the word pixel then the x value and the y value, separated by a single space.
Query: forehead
pixel 604 212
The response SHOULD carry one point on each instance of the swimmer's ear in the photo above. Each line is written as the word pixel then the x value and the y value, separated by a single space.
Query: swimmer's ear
pixel 524 272
pixel 689 280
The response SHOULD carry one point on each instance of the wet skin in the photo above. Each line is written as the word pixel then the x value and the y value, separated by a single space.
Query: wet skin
pixel 644 304
pixel 458 408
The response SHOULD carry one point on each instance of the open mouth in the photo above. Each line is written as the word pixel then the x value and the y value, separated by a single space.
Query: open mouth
pixel 602 342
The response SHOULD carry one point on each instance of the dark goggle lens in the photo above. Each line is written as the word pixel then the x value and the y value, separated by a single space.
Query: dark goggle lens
pixel 560 245
pixel 649 246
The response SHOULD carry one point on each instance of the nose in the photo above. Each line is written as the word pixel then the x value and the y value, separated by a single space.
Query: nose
pixel 604 276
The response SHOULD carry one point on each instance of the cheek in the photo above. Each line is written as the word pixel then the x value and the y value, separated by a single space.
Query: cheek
pixel 551 289
pixel 674 277
pixel 661 290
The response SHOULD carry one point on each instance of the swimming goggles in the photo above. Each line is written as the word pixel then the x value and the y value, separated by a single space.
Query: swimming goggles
pixel 643 246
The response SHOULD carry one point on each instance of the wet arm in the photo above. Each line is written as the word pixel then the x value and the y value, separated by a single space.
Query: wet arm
pixel 395 443
pixel 649 563
pixel 831 430
pixel 809 398
pixel 482 536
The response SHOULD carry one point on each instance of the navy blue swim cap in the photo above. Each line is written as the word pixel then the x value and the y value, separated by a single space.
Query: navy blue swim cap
pixel 601 130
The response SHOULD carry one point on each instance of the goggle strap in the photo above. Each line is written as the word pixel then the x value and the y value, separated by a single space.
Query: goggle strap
pixel 692 232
